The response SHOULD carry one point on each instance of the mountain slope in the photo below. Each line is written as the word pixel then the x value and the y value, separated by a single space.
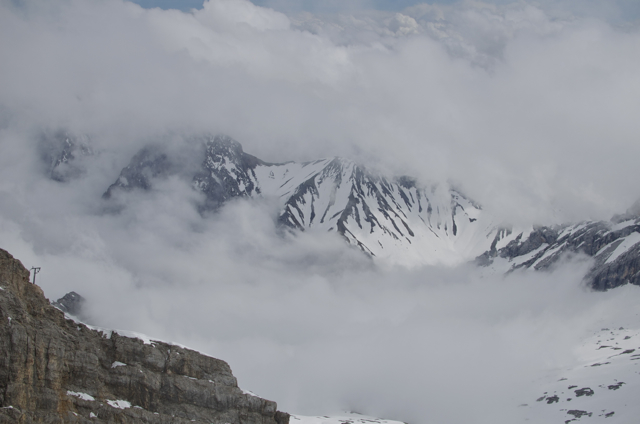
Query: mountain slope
pixel 599 387
pixel 395 219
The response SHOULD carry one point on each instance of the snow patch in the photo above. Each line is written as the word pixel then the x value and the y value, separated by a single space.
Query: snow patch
pixel 547 254
pixel 528 256
pixel 627 243
pixel 80 395
pixel 119 404
pixel 118 364
pixel 621 225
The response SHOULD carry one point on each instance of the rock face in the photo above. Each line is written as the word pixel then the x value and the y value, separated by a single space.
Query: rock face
pixel 70 303
pixel 216 166
pixel 54 370
pixel 226 172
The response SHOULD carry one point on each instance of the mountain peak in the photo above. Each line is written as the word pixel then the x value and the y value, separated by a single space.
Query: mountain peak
pixel 392 218
pixel 222 145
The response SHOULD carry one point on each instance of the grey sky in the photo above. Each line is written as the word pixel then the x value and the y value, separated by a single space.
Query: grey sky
pixel 616 10
pixel 291 5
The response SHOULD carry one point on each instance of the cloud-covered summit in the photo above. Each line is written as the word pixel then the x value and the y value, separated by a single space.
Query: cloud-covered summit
pixel 527 108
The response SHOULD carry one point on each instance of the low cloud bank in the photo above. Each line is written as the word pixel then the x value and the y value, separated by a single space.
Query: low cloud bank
pixel 312 323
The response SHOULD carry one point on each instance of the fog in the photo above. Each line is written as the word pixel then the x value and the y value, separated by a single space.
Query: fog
pixel 528 107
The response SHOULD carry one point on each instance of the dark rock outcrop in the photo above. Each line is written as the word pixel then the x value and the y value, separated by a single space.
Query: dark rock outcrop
pixel 149 163
pixel 226 172
pixel 217 167
pixel 55 370
pixel 70 303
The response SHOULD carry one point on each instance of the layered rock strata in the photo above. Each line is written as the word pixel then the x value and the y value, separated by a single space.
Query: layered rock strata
pixel 55 370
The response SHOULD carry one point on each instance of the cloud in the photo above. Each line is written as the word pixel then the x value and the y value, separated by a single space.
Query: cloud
pixel 516 103
pixel 312 323
pixel 528 108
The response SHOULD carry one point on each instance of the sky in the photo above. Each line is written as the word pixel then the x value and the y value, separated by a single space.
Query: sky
pixel 186 5
pixel 528 107
pixel 624 9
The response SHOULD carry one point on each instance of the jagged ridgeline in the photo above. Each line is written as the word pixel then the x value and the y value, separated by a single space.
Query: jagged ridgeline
pixel 392 218
pixel 55 370
pixel 396 219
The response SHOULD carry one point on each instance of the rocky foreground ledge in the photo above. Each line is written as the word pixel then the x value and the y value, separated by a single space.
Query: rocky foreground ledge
pixel 54 370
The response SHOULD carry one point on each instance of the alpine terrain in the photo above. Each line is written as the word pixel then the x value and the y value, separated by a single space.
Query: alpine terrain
pixel 56 366
pixel 398 220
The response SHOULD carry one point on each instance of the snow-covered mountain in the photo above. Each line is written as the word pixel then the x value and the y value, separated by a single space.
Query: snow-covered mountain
pixel 614 246
pixel 398 219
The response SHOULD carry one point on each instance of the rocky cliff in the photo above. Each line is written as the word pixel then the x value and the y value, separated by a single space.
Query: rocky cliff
pixel 54 370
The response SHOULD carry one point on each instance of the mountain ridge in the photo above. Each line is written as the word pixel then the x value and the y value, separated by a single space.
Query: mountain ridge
pixel 614 247
pixel 382 216
pixel 395 219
